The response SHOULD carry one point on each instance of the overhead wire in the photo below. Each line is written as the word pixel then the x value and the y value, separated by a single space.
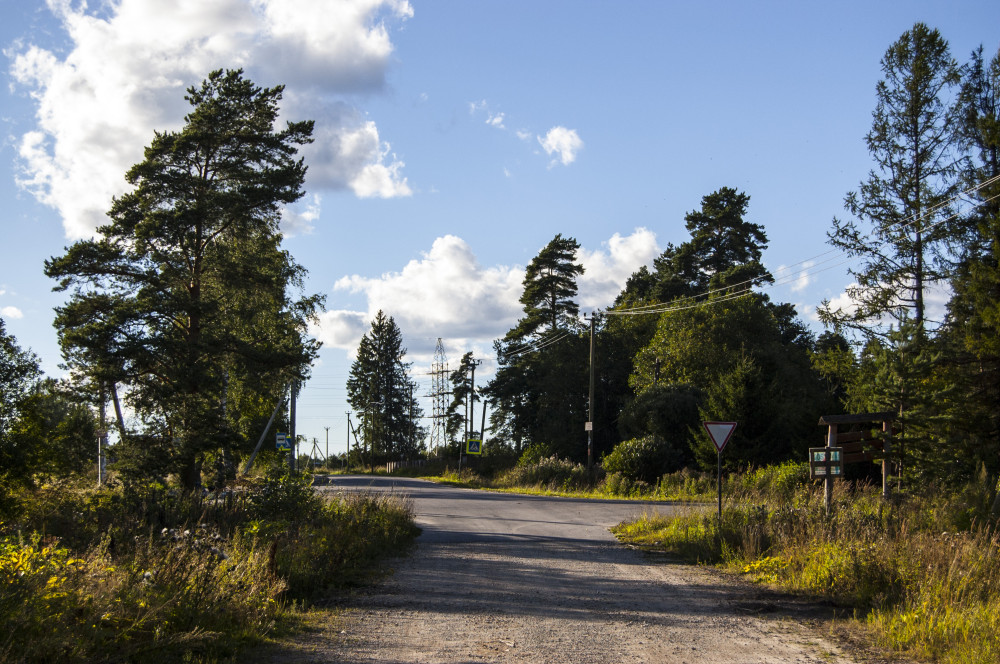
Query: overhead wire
pixel 700 299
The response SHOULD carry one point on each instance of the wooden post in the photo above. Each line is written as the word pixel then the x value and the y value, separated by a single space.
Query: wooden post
pixel 886 447
pixel 831 441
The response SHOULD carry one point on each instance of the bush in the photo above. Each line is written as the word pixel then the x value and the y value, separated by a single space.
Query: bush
pixel 534 454
pixel 552 473
pixel 642 459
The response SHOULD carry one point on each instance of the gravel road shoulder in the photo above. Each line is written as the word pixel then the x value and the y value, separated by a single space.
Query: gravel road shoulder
pixel 544 597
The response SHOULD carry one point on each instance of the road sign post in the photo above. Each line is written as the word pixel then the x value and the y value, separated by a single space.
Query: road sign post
pixel 474 444
pixel 719 432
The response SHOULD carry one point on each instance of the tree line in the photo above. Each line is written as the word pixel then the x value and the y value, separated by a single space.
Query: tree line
pixel 186 309
pixel 695 337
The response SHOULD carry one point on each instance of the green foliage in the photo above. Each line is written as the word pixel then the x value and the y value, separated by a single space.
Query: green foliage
pixel 18 373
pixel 534 454
pixel 539 391
pixel 282 498
pixel 550 473
pixel 724 250
pixel 903 245
pixel 923 572
pixel 645 459
pixel 549 289
pixel 151 574
pixel 750 360
pixel 184 297
pixel 335 549
pixel 379 387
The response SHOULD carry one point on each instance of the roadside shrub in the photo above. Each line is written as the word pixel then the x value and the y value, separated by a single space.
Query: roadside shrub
pixel 533 454
pixel 552 473
pixel 339 546
pixel 778 482
pixel 644 459
pixel 283 497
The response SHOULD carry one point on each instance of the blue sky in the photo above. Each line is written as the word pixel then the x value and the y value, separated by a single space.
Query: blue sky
pixel 456 138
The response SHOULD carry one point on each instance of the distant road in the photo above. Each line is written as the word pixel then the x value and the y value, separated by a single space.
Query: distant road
pixel 510 578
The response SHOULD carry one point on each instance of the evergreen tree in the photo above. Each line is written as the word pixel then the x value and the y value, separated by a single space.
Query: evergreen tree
pixel 549 289
pixel 185 294
pixel 539 391
pixel 724 250
pixel 461 385
pixel 973 330
pixel 379 387
pixel 905 200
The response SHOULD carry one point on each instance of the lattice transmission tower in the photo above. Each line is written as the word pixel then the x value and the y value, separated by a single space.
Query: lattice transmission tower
pixel 439 392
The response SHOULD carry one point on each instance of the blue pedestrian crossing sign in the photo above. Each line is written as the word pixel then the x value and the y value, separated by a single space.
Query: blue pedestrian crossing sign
pixel 474 445
pixel 281 442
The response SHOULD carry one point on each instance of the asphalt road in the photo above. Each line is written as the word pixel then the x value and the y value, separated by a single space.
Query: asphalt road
pixel 511 578
pixel 453 515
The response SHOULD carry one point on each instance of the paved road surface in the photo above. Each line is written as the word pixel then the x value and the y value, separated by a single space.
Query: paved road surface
pixel 508 578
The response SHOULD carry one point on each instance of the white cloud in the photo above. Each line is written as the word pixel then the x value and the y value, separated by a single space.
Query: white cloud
pixel 11 312
pixel 936 298
pixel 796 282
pixel 444 293
pixel 606 270
pixel 495 120
pixel 447 293
pixel 563 142
pixel 129 62
pixel 299 219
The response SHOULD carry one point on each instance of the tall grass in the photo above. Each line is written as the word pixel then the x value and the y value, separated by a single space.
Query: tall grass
pixel 922 573
pixel 153 575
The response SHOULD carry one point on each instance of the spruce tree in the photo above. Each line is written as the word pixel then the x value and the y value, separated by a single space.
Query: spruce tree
pixel 898 226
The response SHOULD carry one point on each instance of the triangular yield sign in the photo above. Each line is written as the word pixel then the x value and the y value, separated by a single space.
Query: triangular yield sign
pixel 720 432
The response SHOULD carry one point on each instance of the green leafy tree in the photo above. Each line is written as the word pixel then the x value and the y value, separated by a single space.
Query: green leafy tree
pixel 380 388
pixel 58 429
pixel 898 227
pixel 19 373
pixel 185 296
pixel 737 358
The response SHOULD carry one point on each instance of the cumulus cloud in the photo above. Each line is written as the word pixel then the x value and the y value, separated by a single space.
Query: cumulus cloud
pixel 797 282
pixel 606 270
pixel 447 293
pixel 444 293
pixel 11 312
pixel 299 219
pixel 562 142
pixel 936 298
pixel 128 64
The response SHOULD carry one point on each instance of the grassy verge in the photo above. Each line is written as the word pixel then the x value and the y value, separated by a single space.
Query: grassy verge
pixel 921 575
pixel 152 575
pixel 557 477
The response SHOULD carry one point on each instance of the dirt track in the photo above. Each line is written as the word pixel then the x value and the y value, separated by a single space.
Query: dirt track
pixel 515 579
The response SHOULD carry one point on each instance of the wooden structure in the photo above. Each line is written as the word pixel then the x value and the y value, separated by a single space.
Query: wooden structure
pixel 870 439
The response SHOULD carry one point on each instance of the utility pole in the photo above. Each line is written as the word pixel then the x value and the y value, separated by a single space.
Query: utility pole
pixel 590 401
pixel 347 454
pixel 470 412
pixel 326 459
pixel 291 425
